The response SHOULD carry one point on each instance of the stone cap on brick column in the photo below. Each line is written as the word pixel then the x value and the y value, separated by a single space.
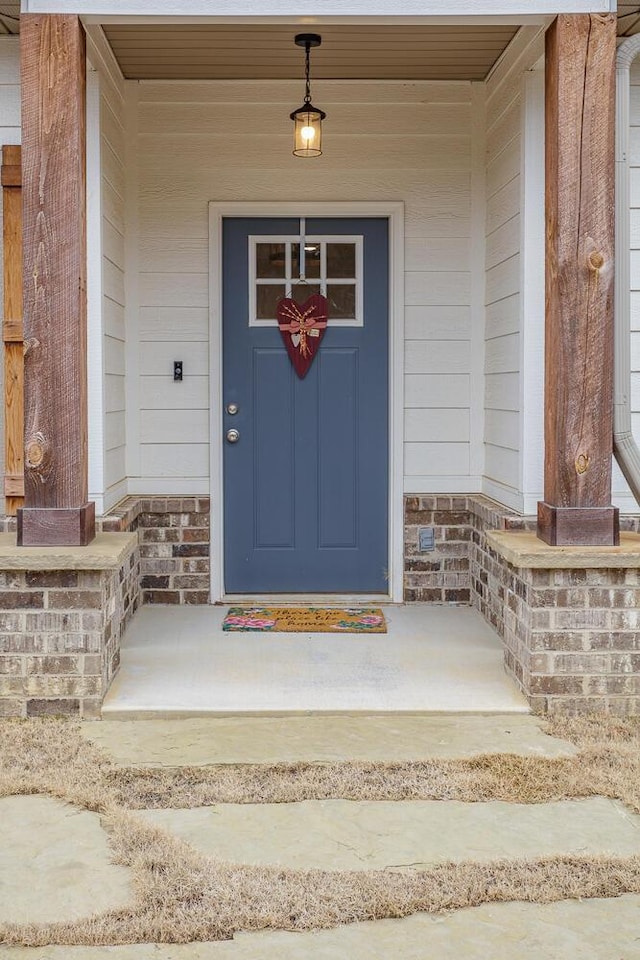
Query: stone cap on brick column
pixel 107 552
pixel 523 549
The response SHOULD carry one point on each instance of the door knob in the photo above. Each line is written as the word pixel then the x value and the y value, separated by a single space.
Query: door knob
pixel 233 436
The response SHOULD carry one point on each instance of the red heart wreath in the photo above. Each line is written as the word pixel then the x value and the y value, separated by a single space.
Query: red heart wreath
pixel 302 326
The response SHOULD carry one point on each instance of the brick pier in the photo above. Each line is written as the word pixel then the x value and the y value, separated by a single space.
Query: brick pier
pixel 63 612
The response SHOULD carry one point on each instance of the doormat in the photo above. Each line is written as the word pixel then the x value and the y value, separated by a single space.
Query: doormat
pixel 305 620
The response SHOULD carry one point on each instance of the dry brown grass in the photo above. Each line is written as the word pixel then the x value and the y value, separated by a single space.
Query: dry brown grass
pixel 490 777
pixel 595 729
pixel 51 757
pixel 182 896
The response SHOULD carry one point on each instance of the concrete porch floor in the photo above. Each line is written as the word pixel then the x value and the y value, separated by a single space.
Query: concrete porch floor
pixel 177 662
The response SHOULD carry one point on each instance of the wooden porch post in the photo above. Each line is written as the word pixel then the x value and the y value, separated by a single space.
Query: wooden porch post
pixel 53 75
pixel 12 331
pixel 580 120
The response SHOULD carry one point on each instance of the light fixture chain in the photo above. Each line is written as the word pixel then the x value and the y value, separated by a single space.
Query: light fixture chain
pixel 307 95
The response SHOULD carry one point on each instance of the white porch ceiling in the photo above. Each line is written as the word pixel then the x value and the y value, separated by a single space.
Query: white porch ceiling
pixel 267 51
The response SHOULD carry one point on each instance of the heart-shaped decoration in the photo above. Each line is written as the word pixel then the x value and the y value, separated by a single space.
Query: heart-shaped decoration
pixel 302 326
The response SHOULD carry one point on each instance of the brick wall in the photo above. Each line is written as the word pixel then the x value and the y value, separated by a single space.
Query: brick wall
pixel 486 570
pixel 174 538
pixel 60 633
pixel 121 600
pixel 174 535
pixel 446 573
pixel 442 574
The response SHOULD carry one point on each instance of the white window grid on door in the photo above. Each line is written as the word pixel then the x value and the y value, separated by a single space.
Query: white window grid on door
pixel 294 285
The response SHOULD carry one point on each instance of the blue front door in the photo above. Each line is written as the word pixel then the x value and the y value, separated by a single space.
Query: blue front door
pixel 306 480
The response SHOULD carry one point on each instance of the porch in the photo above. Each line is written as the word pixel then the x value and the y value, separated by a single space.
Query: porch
pixel 437 126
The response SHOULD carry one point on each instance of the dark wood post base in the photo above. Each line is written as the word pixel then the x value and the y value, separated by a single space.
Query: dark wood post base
pixel 578 526
pixel 56 526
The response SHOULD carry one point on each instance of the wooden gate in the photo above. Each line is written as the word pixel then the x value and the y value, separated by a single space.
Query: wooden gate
pixel 12 331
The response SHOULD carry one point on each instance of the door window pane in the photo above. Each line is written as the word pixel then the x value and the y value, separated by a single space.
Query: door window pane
pixel 341 261
pixel 342 301
pixel 270 260
pixel 267 300
pixel 312 260
pixel 302 291
pixel 295 260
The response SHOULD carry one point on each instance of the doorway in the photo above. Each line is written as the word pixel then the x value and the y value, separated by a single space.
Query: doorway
pixel 310 500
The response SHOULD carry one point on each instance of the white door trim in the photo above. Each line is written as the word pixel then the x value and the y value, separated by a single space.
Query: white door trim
pixel 394 212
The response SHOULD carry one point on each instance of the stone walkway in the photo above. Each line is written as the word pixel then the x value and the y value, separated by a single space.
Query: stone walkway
pixel 54 860
pixel 411 835
pixel 194 742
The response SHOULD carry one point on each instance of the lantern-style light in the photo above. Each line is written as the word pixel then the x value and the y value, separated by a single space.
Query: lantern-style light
pixel 307 119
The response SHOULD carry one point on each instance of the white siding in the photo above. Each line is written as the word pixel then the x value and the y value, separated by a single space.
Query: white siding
pixel 622 494
pixel 10 134
pixel 532 314
pixel 504 258
pixel 112 147
pixel 502 292
pixel 229 141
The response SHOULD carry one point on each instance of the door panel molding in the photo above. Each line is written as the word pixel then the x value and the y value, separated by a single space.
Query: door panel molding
pixel 393 211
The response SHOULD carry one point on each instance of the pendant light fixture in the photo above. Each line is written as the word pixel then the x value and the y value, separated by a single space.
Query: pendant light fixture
pixel 307 119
